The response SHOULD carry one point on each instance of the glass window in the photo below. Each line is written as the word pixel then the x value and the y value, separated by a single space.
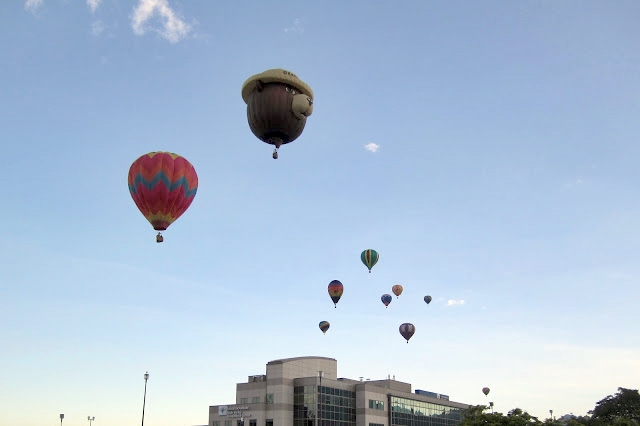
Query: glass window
pixel 376 405
pixel 255 400
pixel 269 398
pixel 244 400
pixel 227 423
pixel 216 423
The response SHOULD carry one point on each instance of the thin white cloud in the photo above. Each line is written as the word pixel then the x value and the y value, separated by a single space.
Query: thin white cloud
pixel 372 147
pixel 453 302
pixel 98 28
pixel 32 5
pixel 296 28
pixel 93 4
pixel 173 29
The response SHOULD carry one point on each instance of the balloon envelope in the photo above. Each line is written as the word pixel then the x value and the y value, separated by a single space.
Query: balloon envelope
pixel 324 326
pixel 407 330
pixel 335 291
pixel 369 257
pixel 397 289
pixel 163 185
pixel 427 299
pixel 386 299
pixel 485 391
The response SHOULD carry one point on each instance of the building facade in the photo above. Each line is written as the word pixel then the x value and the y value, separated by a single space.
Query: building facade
pixel 306 391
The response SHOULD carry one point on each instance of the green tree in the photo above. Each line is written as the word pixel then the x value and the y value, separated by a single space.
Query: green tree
pixel 476 416
pixel 578 421
pixel 621 407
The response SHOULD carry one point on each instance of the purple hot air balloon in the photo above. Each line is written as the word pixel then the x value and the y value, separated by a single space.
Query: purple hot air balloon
pixel 386 299
pixel 407 330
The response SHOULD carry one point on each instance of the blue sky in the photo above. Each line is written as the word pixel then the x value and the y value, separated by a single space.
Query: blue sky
pixel 501 178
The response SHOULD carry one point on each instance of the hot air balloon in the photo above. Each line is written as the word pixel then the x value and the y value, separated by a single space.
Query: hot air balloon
pixel 369 257
pixel 324 326
pixel 407 330
pixel 335 291
pixel 397 290
pixel 163 185
pixel 427 299
pixel 486 391
pixel 386 299
pixel 278 104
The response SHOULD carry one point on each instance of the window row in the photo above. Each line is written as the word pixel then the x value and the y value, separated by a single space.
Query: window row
pixel 376 405
pixel 256 399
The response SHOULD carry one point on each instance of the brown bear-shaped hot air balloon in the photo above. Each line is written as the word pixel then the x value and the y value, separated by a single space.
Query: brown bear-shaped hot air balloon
pixel 278 104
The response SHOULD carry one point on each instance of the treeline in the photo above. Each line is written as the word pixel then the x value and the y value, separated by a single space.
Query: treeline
pixel 621 409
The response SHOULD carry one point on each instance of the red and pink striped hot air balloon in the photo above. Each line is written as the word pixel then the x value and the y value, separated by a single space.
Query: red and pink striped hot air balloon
pixel 163 185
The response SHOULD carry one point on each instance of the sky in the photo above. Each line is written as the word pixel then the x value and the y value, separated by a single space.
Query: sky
pixel 487 150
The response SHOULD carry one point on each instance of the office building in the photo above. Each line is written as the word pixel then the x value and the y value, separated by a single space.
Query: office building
pixel 306 391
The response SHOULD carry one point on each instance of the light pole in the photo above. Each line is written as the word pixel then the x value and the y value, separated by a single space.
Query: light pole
pixel 61 419
pixel 91 419
pixel 551 413
pixel 491 405
pixel 144 400
pixel 318 396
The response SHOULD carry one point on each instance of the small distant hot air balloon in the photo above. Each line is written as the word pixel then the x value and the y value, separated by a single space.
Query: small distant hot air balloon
pixel 335 291
pixel 427 299
pixel 278 104
pixel 397 290
pixel 163 185
pixel 486 391
pixel 407 330
pixel 386 299
pixel 324 326
pixel 369 257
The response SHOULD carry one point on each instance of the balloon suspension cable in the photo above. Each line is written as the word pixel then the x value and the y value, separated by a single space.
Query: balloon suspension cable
pixel 277 142
pixel 159 238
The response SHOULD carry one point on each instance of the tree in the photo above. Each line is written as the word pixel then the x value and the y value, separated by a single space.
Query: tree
pixel 623 406
pixel 476 416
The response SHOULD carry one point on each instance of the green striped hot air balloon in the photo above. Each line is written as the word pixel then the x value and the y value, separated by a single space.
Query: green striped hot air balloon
pixel 369 257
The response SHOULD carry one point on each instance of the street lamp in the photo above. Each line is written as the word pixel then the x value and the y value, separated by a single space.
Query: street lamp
pixel 61 419
pixel 491 405
pixel 551 413
pixel 318 396
pixel 91 419
pixel 144 400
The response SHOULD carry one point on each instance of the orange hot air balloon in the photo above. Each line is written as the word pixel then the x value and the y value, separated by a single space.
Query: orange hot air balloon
pixel 163 186
pixel 397 290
